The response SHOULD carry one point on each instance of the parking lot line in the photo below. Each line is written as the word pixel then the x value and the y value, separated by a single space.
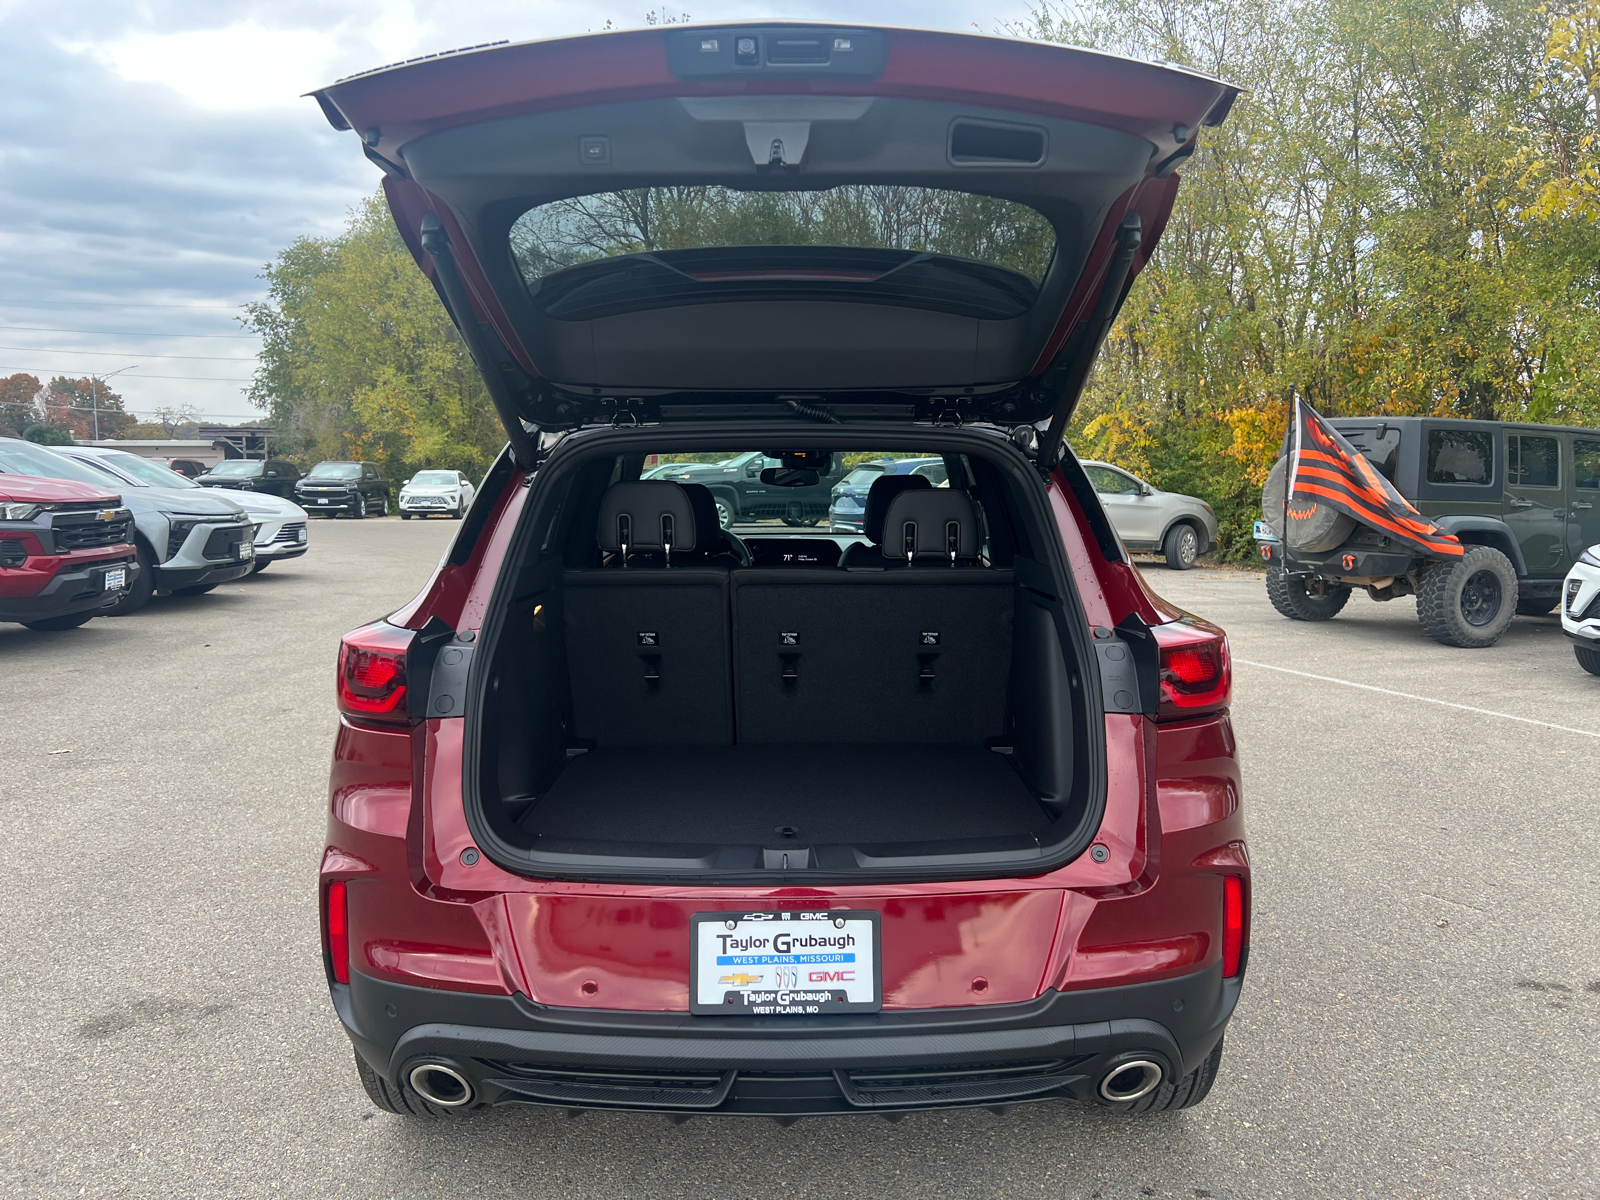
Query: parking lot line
pixel 1367 687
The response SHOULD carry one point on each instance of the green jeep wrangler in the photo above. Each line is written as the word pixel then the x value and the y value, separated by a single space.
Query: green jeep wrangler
pixel 1521 497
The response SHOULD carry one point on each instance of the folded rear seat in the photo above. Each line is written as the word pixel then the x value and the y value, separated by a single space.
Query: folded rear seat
pixel 916 653
pixel 647 634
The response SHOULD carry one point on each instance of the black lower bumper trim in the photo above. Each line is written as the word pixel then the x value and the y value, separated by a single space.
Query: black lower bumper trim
pixel 1060 1044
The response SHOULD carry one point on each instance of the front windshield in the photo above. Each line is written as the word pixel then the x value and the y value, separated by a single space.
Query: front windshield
pixel 434 478
pixel 25 458
pixel 151 474
pixel 238 466
pixel 335 471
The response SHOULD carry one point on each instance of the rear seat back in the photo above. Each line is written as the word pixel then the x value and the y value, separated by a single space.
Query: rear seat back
pixel 911 657
pixel 648 642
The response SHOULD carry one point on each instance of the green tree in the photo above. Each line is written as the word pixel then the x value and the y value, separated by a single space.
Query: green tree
pixel 359 359
pixel 19 402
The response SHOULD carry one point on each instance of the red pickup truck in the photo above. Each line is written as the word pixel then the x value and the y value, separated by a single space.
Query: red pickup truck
pixel 66 551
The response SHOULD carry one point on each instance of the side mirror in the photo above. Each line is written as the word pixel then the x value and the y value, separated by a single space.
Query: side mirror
pixel 404 484
pixel 1146 490
pixel 753 470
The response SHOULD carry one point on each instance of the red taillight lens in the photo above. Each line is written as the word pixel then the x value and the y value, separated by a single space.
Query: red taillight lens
pixel 372 672
pixel 339 931
pixel 1232 925
pixel 1196 677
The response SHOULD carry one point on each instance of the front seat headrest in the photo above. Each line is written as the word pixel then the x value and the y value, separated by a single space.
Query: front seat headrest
pixel 651 515
pixel 882 492
pixel 937 525
pixel 704 505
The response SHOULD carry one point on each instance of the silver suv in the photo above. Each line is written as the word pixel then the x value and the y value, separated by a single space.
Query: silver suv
pixel 1181 527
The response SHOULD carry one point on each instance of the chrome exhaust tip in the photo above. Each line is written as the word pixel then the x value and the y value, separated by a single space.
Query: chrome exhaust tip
pixel 440 1084
pixel 1131 1080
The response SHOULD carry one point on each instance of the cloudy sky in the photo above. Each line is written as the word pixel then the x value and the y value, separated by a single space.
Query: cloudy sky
pixel 154 156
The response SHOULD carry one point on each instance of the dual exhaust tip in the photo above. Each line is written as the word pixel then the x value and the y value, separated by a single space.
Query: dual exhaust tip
pixel 440 1084
pixel 1131 1080
pixel 1127 1081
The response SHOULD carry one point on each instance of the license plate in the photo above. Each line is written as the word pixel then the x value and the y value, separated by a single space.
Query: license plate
pixel 777 964
pixel 300 535
pixel 244 551
pixel 321 501
pixel 116 578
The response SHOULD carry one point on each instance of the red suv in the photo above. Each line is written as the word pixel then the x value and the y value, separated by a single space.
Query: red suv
pixel 66 551
pixel 634 811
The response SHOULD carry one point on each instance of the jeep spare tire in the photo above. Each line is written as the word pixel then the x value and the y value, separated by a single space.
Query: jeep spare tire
pixel 1313 527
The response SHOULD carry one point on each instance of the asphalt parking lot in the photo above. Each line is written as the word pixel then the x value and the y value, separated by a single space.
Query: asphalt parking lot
pixel 1420 1016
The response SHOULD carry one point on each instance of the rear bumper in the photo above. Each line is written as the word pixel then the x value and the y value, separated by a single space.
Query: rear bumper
pixel 78 587
pixel 1059 1045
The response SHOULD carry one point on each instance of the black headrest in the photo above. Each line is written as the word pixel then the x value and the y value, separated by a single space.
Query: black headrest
pixel 884 489
pixel 646 514
pixel 704 505
pixel 928 526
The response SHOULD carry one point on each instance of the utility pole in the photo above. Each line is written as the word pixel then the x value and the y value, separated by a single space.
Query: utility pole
pixel 94 395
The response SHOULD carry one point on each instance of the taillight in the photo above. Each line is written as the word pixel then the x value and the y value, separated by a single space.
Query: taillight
pixel 339 931
pixel 372 672
pixel 1232 925
pixel 1196 676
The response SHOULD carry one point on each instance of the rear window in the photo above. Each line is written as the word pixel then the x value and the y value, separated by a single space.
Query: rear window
pixel 1460 456
pixel 1379 445
pixel 922 247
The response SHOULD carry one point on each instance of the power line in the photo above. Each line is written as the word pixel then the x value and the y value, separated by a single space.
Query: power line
pixel 126 353
pixel 114 333
pixel 116 304
pixel 184 378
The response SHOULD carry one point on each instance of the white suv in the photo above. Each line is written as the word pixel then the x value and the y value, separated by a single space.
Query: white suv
pixel 448 493
pixel 1580 609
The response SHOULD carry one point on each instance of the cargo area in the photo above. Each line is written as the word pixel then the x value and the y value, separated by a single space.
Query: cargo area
pixel 701 702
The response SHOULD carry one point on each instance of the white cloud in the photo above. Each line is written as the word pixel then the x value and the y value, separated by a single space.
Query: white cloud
pixel 239 68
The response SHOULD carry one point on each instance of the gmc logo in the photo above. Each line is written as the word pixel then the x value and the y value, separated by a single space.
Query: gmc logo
pixel 832 977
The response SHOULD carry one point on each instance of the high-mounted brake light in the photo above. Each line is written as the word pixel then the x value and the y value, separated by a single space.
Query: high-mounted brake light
pixel 1196 675
pixel 338 919
pixel 372 672
pixel 1232 925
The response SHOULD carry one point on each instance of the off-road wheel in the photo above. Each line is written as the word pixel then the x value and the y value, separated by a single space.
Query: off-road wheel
pixel 1303 599
pixel 402 1100
pixel 1536 606
pixel 56 624
pixel 141 589
pixel 1185 1092
pixel 1182 547
pixel 1469 601
pixel 1588 659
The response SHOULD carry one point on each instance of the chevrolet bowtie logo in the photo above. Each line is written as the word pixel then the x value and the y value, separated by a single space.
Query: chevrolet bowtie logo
pixel 106 514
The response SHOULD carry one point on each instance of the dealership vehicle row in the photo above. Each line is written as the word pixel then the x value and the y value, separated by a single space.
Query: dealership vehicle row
pixel 89 531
